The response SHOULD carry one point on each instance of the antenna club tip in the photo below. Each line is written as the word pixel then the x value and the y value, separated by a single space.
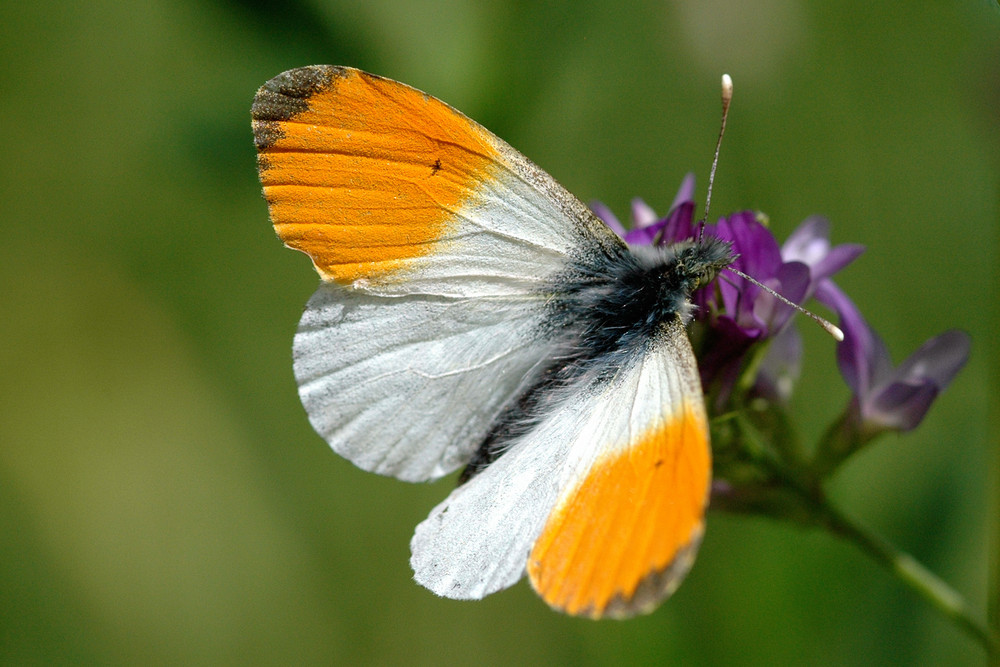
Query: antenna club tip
pixel 727 87
pixel 835 331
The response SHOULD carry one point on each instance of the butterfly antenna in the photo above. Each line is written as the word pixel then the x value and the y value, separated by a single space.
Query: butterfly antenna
pixel 727 97
pixel 828 326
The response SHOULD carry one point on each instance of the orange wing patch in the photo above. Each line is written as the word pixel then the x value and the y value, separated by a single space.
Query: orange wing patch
pixel 626 535
pixel 363 173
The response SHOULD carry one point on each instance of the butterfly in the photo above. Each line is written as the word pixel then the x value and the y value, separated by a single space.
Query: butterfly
pixel 473 315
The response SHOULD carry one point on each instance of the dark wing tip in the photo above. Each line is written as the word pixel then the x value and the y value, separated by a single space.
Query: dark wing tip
pixel 285 96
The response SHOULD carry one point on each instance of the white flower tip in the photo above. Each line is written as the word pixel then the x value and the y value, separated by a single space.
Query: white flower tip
pixel 727 88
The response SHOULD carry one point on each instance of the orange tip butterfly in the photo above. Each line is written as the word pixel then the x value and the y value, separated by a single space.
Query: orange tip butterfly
pixel 474 315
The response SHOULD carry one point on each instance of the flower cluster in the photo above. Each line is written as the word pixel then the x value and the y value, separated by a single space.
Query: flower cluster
pixel 748 347
pixel 749 354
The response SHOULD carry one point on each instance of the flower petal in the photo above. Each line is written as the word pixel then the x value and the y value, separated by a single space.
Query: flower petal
pixel 675 227
pixel 862 356
pixel 792 282
pixel 602 211
pixel 779 371
pixel 759 254
pixel 939 359
pixel 686 192
pixel 901 405
pixel 643 214
pixel 679 225
pixel 809 243
pixel 835 260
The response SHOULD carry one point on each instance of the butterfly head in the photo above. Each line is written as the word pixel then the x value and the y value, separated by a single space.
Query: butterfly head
pixel 698 263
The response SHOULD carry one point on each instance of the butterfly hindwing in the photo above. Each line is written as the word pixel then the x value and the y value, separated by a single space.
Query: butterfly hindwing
pixel 603 501
pixel 408 386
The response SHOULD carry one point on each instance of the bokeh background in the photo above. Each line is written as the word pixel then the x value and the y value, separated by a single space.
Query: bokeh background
pixel 163 499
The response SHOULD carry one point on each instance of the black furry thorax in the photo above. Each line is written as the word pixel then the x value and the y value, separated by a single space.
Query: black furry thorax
pixel 614 302
pixel 601 313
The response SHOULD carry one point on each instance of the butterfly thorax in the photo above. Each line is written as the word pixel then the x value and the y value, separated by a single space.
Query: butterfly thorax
pixel 614 302
pixel 601 315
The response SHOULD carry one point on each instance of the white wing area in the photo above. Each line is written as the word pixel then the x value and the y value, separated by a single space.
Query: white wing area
pixel 478 540
pixel 409 386
pixel 518 229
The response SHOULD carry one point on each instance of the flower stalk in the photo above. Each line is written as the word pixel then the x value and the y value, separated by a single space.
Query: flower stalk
pixel 993 590
pixel 796 495
pixel 912 573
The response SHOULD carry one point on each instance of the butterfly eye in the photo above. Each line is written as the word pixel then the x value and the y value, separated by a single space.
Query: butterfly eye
pixel 708 275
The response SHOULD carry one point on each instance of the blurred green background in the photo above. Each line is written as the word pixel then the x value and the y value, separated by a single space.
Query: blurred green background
pixel 163 499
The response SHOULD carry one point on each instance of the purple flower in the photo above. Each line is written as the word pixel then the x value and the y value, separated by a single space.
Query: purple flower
pixel 646 225
pixel 733 315
pixel 796 270
pixel 887 397
pixel 737 312
pixel 810 245
pixel 748 314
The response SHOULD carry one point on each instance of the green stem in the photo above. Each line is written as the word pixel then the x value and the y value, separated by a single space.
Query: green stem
pixel 924 582
pixel 805 484
pixel 993 589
